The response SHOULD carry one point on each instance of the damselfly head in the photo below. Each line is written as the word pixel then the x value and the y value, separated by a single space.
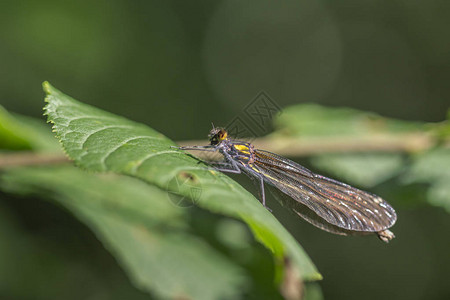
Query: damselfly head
pixel 217 135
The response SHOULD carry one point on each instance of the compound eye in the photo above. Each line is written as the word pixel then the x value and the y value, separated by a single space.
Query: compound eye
pixel 222 134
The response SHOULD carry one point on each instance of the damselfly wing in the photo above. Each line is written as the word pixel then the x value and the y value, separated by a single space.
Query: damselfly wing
pixel 326 203
pixel 349 209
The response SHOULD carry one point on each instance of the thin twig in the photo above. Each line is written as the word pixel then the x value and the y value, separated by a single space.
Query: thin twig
pixel 21 159
pixel 303 146
pixel 286 146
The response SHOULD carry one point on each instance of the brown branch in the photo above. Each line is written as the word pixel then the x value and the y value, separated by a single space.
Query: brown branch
pixel 286 146
pixel 21 159
pixel 304 146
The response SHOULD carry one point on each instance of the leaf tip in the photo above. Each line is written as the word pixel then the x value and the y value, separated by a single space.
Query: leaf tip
pixel 316 276
pixel 46 86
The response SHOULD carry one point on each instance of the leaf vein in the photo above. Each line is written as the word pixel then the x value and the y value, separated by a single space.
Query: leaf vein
pixel 84 140
pixel 122 143
pixel 90 117
pixel 135 169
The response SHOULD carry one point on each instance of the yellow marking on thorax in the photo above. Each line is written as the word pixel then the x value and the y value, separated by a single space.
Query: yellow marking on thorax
pixel 242 148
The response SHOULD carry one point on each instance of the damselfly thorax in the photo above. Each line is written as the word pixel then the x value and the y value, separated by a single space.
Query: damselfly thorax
pixel 326 203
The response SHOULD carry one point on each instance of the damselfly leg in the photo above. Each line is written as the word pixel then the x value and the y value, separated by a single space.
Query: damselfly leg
pixel 197 148
pixel 228 166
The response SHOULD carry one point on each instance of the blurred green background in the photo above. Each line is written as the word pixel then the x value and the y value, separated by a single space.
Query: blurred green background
pixel 178 65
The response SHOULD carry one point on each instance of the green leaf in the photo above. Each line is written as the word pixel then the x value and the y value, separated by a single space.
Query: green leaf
pixel 363 169
pixel 24 133
pixel 10 134
pixel 149 236
pixel 312 292
pixel 51 267
pixel 100 141
pixel 311 122
pixel 314 120
pixel 432 167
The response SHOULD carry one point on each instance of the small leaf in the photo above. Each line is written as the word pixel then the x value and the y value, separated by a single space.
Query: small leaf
pixel 433 167
pixel 362 169
pixel 100 141
pixel 312 292
pixel 51 266
pixel 10 137
pixel 315 120
pixel 24 133
pixel 311 122
pixel 430 166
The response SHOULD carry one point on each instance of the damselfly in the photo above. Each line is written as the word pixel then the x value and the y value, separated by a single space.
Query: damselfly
pixel 324 202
